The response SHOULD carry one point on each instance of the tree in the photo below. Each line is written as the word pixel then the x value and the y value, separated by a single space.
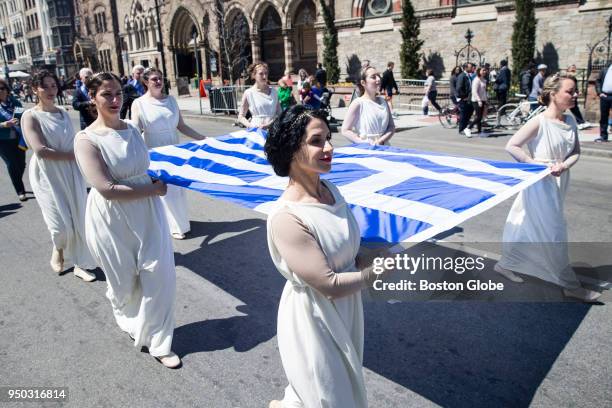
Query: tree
pixel 234 43
pixel 330 43
pixel 523 35
pixel 411 45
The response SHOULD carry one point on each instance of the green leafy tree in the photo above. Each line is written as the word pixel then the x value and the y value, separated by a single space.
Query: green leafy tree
pixel 411 45
pixel 523 35
pixel 330 43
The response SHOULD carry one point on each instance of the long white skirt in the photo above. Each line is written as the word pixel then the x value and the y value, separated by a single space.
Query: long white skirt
pixel 175 207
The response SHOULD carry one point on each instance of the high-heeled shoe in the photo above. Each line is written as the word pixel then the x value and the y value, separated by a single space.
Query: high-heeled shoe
pixel 586 295
pixel 83 274
pixel 57 260
pixel 170 360
pixel 507 273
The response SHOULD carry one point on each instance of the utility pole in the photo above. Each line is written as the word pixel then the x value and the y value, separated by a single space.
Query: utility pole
pixel 160 45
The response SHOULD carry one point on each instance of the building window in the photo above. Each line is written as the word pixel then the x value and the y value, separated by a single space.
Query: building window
pixel 104 56
pixel 100 21
pixel 462 3
pixel 378 8
pixel 36 47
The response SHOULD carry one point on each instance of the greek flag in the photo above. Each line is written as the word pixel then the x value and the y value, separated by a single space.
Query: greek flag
pixel 396 195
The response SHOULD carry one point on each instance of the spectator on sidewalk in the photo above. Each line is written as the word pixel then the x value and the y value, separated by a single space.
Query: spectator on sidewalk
pixel 303 78
pixel 431 92
pixel 134 89
pixel 453 84
pixel 502 83
pixel 537 85
pixel 388 84
pixel 81 101
pixel 582 124
pixel 479 97
pixel 604 90
pixel 527 79
pixel 463 91
pixel 321 75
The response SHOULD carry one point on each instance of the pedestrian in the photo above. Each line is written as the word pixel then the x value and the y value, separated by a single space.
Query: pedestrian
pixel 306 95
pixel 431 92
pixel 285 94
pixel 582 124
pixel 29 94
pixel 132 90
pixel 502 83
pixel 603 86
pixel 479 98
pixel 314 239
pixel 260 99
pixel 317 92
pixel 321 75
pixel 125 225
pixel 158 117
pixel 527 76
pixel 59 187
pixel 11 149
pixel 82 102
pixel 535 234
pixel 369 119
pixel 453 84
pixel 537 85
pixel 288 78
pixel 463 90
pixel 388 84
pixel 60 90
pixel 303 78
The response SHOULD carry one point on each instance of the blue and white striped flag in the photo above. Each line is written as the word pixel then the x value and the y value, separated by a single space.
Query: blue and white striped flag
pixel 397 195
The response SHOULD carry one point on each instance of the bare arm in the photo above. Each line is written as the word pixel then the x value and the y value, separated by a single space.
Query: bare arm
pixel 136 117
pixel 244 107
pixel 36 140
pixel 520 138
pixel 97 174
pixel 188 130
pixel 349 123
pixel 304 256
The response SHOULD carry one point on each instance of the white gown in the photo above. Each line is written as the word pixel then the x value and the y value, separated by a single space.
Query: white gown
pixel 373 119
pixel 130 241
pixel 263 107
pixel 321 340
pixel 60 190
pixel 159 120
pixel 535 234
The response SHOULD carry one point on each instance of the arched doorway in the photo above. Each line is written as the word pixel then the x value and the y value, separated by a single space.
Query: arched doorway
pixel 182 31
pixel 305 37
pixel 272 44
pixel 236 46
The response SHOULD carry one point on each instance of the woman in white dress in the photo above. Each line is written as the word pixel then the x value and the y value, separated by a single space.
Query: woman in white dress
pixel 158 117
pixel 56 181
pixel 313 240
pixel 369 118
pixel 535 234
pixel 260 99
pixel 125 223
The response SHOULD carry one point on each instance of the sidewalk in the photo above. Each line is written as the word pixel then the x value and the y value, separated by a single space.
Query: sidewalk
pixel 190 108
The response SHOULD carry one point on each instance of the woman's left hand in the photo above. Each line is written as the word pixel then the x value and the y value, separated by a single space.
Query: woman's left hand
pixel 557 168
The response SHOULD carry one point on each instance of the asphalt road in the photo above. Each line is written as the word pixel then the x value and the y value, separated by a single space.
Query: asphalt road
pixel 59 331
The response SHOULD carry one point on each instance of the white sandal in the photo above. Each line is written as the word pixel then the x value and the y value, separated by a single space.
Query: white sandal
pixel 170 360
pixel 83 274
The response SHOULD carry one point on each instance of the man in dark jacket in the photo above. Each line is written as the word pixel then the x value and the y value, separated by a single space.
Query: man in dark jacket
pixel 527 79
pixel 388 84
pixel 603 85
pixel 463 92
pixel 502 83
pixel 81 100
pixel 321 75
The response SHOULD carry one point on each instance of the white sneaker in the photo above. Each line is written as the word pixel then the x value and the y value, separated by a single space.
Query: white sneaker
pixel 467 132
pixel 584 125
pixel 83 274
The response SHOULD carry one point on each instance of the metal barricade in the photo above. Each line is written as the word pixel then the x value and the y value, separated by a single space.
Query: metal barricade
pixel 226 99
pixel 412 92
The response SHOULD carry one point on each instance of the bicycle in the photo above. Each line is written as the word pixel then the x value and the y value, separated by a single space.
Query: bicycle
pixel 514 115
pixel 449 116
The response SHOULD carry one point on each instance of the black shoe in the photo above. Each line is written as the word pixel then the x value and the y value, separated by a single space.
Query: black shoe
pixel 601 140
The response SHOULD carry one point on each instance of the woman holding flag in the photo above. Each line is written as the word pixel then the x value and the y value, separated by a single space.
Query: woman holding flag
pixel 12 146
pixel 320 316
pixel 260 99
pixel 369 118
pixel 125 225
pixel 60 189
pixel 158 117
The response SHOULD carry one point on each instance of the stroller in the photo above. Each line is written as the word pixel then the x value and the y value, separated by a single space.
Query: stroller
pixel 326 104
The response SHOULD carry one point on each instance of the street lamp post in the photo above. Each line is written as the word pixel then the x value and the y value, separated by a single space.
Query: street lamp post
pixel 197 62
pixel 160 44
pixel 2 44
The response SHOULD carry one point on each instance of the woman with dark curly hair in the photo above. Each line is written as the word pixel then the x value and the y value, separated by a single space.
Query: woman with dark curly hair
pixel 59 187
pixel 313 240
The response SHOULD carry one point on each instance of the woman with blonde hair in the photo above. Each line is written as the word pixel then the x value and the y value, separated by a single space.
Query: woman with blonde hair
pixel 158 117
pixel 369 118
pixel 59 187
pixel 535 234
pixel 260 99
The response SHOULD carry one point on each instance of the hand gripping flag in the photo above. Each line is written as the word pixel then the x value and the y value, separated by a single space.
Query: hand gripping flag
pixel 396 195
